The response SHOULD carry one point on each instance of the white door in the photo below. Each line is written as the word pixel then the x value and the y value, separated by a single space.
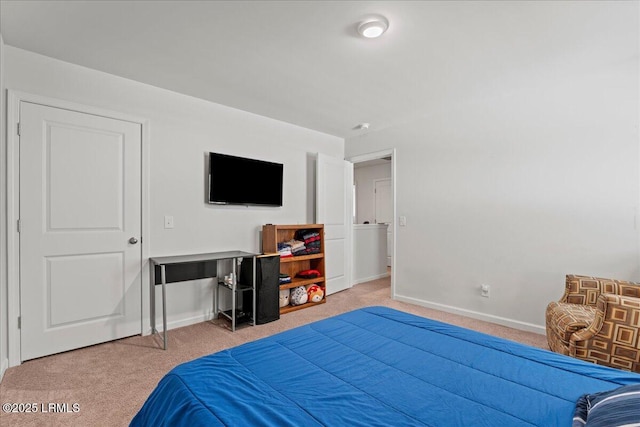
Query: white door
pixel 383 205
pixel 384 210
pixel 334 182
pixel 80 204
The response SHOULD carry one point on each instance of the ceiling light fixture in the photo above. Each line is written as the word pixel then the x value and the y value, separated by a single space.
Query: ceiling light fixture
pixel 373 28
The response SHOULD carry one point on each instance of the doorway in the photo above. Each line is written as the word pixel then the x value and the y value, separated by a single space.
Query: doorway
pixel 373 170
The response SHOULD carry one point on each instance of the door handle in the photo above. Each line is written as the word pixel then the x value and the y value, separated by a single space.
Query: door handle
pixel 133 240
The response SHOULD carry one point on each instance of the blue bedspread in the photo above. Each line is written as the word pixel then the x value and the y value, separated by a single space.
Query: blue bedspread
pixel 377 367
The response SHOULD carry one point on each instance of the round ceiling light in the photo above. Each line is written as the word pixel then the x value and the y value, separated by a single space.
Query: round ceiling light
pixel 374 28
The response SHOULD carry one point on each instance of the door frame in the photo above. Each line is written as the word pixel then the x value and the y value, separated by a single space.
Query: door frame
pixel 14 98
pixel 379 155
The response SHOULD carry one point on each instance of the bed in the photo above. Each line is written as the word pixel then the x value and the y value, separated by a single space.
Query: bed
pixel 377 366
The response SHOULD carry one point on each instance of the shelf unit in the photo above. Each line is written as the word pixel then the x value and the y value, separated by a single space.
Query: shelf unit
pixel 234 315
pixel 272 235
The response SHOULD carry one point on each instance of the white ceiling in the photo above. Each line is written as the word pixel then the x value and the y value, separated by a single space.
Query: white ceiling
pixel 302 61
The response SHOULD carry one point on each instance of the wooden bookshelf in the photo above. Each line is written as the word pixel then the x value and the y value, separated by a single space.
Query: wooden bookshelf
pixel 272 235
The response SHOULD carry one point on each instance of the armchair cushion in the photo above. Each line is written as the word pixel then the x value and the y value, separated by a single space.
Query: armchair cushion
pixel 584 290
pixel 613 339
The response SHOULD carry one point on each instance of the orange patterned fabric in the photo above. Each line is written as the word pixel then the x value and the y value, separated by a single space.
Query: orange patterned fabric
pixel 597 320
pixel 585 290
pixel 565 319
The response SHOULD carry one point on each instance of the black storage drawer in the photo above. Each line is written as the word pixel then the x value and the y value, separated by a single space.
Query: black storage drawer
pixel 267 287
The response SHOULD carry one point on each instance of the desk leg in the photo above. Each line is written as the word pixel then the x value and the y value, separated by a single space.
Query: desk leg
pixel 253 293
pixel 216 300
pixel 233 297
pixel 152 293
pixel 163 279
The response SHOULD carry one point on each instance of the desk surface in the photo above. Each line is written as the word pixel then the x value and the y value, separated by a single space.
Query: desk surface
pixel 183 259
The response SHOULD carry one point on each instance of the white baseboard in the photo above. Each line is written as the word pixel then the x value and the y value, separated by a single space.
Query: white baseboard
pixel 515 324
pixel 179 323
pixel 368 279
pixel 3 367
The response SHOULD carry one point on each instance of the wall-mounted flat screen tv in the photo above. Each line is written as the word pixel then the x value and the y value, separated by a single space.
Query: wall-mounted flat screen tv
pixel 241 181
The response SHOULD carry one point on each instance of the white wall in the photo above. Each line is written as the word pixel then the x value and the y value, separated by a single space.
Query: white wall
pixel 517 190
pixel 370 252
pixel 182 130
pixel 365 200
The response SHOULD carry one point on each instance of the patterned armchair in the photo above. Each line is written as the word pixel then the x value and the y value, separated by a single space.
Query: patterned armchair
pixel 597 320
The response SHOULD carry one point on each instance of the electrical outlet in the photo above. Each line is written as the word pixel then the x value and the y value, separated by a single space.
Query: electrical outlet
pixel 484 290
pixel 168 221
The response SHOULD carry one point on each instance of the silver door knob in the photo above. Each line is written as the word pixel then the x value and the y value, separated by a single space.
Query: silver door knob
pixel 133 240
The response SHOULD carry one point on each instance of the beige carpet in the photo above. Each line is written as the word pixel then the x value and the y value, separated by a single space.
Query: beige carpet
pixel 108 383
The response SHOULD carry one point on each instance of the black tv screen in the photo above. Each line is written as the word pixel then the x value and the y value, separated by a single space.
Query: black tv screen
pixel 241 181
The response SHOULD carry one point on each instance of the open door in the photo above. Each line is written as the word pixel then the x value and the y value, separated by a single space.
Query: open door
pixel 334 204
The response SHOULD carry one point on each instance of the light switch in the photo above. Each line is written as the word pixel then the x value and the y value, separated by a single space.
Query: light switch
pixel 168 221
pixel 403 221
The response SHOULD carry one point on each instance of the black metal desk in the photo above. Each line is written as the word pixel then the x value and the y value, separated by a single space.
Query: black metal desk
pixel 180 268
